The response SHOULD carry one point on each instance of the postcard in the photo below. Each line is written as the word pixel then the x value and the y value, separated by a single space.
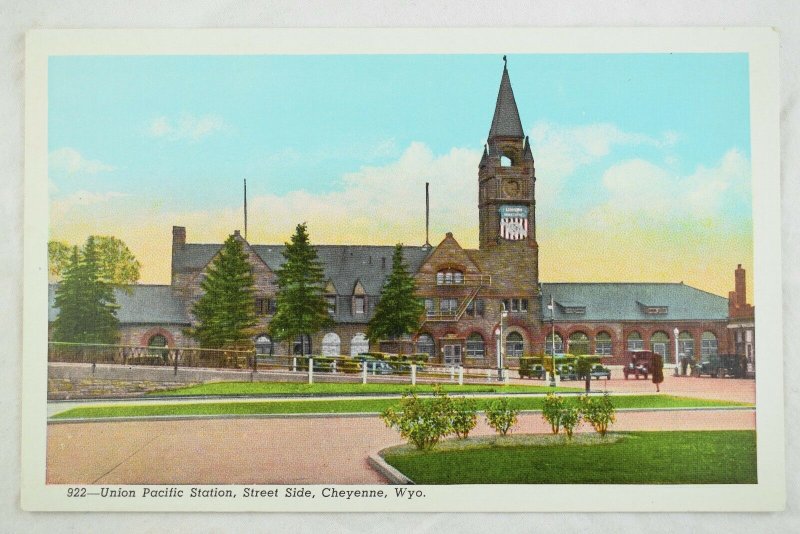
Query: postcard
pixel 402 270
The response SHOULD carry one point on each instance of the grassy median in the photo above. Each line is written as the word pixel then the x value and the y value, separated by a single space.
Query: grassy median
pixel 349 406
pixel 675 457
pixel 299 388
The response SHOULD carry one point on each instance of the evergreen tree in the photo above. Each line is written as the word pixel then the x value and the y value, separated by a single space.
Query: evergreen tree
pixel 301 307
pixel 398 312
pixel 86 303
pixel 225 312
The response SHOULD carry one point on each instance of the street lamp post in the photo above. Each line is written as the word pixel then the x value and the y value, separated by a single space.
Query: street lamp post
pixel 552 307
pixel 500 353
pixel 677 363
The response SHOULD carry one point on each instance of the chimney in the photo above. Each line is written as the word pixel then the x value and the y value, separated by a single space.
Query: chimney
pixel 741 287
pixel 237 233
pixel 178 236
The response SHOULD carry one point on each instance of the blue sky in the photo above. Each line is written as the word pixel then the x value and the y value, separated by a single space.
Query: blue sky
pixel 176 135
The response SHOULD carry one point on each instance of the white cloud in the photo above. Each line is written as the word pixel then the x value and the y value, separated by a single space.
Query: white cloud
pixel 187 127
pixel 560 150
pixel 69 161
pixel 643 193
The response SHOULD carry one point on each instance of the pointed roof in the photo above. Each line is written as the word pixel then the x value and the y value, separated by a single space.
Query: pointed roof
pixel 505 122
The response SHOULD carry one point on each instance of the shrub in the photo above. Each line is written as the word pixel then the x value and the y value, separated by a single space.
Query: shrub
pixel 583 366
pixel 348 366
pixel 501 415
pixel 422 422
pixel 464 417
pixel 553 411
pixel 599 412
pixel 570 417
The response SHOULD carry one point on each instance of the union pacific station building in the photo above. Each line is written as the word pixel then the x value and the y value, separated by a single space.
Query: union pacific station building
pixel 467 293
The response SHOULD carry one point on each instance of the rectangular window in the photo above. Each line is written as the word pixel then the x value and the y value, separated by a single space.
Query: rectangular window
pixel 430 308
pixel 506 305
pixel 331 301
pixel 260 306
pixel 448 277
pixel 657 310
pixel 523 305
pixel 471 308
pixel 358 305
pixel 514 305
pixel 448 306
pixel 458 277
pixel 479 307
pixel 602 348
pixel 272 306
pixel 575 310
pixel 440 278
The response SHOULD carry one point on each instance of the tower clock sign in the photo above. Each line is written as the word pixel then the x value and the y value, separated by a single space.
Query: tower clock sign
pixel 513 222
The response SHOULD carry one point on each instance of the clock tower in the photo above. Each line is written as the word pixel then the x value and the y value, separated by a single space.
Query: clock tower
pixel 506 177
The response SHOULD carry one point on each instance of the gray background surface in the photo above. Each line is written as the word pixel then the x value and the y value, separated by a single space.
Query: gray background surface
pixel 18 17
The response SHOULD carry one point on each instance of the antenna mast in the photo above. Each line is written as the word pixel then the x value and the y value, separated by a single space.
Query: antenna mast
pixel 427 214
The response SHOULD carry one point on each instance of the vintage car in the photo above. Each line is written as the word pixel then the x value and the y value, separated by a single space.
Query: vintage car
pixel 567 372
pixel 721 365
pixel 529 369
pixel 640 364
pixel 598 371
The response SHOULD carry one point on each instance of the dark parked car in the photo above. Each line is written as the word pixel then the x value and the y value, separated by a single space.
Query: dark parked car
pixel 598 371
pixel 567 372
pixel 722 365
pixel 640 364
pixel 378 367
pixel 528 369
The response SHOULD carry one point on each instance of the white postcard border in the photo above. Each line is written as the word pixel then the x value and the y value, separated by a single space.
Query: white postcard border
pixel 759 43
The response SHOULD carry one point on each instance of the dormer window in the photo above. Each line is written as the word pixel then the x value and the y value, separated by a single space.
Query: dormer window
pixel 574 310
pixel 656 310
pixel 330 300
pixel 448 277
pixel 358 305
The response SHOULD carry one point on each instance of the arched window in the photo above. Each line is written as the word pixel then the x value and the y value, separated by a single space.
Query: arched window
pixel 635 341
pixel 708 345
pixel 686 344
pixel 578 343
pixel 264 345
pixel 475 346
pixel 157 340
pixel 505 161
pixel 425 345
pixel 659 343
pixel 302 345
pixel 331 345
pixel 449 277
pixel 552 343
pixel 359 345
pixel 602 344
pixel 514 345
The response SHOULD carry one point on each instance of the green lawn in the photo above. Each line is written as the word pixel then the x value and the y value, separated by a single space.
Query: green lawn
pixel 295 388
pixel 347 406
pixel 705 457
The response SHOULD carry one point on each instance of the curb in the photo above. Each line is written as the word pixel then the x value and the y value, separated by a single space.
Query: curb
pixel 342 415
pixel 394 476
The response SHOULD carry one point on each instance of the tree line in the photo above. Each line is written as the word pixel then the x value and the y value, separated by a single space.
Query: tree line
pixel 225 312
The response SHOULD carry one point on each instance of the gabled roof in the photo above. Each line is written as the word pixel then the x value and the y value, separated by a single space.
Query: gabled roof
pixel 147 304
pixel 343 264
pixel 506 121
pixel 620 302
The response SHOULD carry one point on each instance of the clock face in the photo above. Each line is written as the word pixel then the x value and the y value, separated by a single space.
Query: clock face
pixel 511 188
